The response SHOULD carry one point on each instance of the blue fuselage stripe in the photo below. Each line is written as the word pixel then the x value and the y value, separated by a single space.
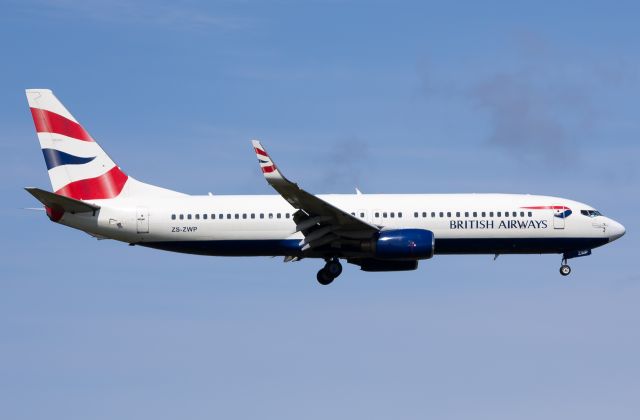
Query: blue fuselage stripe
pixel 249 248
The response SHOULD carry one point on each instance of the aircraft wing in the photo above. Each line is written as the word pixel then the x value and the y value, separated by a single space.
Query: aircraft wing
pixel 321 223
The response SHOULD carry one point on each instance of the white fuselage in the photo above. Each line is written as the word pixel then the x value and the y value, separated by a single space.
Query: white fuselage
pixel 263 224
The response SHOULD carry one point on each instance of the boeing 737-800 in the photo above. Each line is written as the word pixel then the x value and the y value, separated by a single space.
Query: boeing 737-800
pixel 377 232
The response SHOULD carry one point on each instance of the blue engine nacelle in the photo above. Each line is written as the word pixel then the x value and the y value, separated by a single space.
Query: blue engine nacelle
pixel 405 244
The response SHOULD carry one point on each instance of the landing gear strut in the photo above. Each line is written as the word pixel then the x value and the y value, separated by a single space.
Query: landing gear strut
pixel 331 270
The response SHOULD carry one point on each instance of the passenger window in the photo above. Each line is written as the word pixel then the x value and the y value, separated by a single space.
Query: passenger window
pixel 433 214
pixel 530 214
pixel 514 214
pixel 173 216
pixel 221 216
pixel 262 215
pixel 399 214
pixel 270 215
pixel 362 215
pixel 197 216
pixel 484 214
pixel 424 214
pixel 353 214
pixel 475 214
pixel 189 216
pixel 181 216
pixel 237 216
pixel 457 214
pixel 213 216
pixel 287 215
pixel 392 214
pixel 244 215
pixel 228 215
pixel 384 214
pixel 205 216
pixel 415 214
pixel 466 214
pixel 490 214
pixel 448 214
pixel 441 214
pixel 253 215
pixel 278 215
pixel 521 214
pixel 499 214
pixel 377 214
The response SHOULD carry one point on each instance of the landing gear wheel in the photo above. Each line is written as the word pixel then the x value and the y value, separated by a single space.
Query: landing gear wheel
pixel 334 268
pixel 324 277
pixel 565 270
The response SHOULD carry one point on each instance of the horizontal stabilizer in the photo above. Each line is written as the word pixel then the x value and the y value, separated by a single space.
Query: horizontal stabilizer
pixel 57 201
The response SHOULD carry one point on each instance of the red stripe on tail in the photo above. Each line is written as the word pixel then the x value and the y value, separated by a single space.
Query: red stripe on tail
pixel 261 152
pixel 107 185
pixel 50 122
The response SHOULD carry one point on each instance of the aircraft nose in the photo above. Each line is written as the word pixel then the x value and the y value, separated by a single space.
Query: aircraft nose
pixel 616 230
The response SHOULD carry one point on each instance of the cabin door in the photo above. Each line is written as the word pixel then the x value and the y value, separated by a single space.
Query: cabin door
pixel 559 214
pixel 142 219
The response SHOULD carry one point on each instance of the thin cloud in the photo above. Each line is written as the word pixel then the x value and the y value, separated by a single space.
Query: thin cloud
pixel 540 105
pixel 522 118
pixel 346 162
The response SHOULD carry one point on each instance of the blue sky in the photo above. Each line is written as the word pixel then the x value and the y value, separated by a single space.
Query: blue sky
pixel 386 96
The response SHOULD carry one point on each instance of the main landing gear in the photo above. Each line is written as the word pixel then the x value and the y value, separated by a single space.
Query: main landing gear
pixel 329 272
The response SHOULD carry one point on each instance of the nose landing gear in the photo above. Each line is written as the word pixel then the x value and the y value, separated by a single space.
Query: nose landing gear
pixel 329 272
pixel 565 270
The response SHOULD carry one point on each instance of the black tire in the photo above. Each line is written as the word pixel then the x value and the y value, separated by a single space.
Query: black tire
pixel 565 270
pixel 334 268
pixel 324 278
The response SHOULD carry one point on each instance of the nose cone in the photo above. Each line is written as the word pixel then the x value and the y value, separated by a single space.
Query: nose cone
pixel 615 230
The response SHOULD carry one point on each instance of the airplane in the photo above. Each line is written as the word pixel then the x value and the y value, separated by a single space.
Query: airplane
pixel 377 232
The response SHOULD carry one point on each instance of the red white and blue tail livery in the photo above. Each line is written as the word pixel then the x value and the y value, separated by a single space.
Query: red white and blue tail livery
pixel 377 232
pixel 77 165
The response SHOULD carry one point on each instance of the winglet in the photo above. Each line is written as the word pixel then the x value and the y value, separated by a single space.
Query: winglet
pixel 269 169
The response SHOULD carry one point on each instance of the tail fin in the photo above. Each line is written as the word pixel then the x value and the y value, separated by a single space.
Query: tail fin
pixel 78 167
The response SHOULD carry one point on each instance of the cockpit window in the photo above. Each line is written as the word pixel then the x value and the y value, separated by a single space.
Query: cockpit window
pixel 590 213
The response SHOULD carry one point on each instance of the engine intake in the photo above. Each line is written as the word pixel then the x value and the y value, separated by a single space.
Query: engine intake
pixel 405 244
